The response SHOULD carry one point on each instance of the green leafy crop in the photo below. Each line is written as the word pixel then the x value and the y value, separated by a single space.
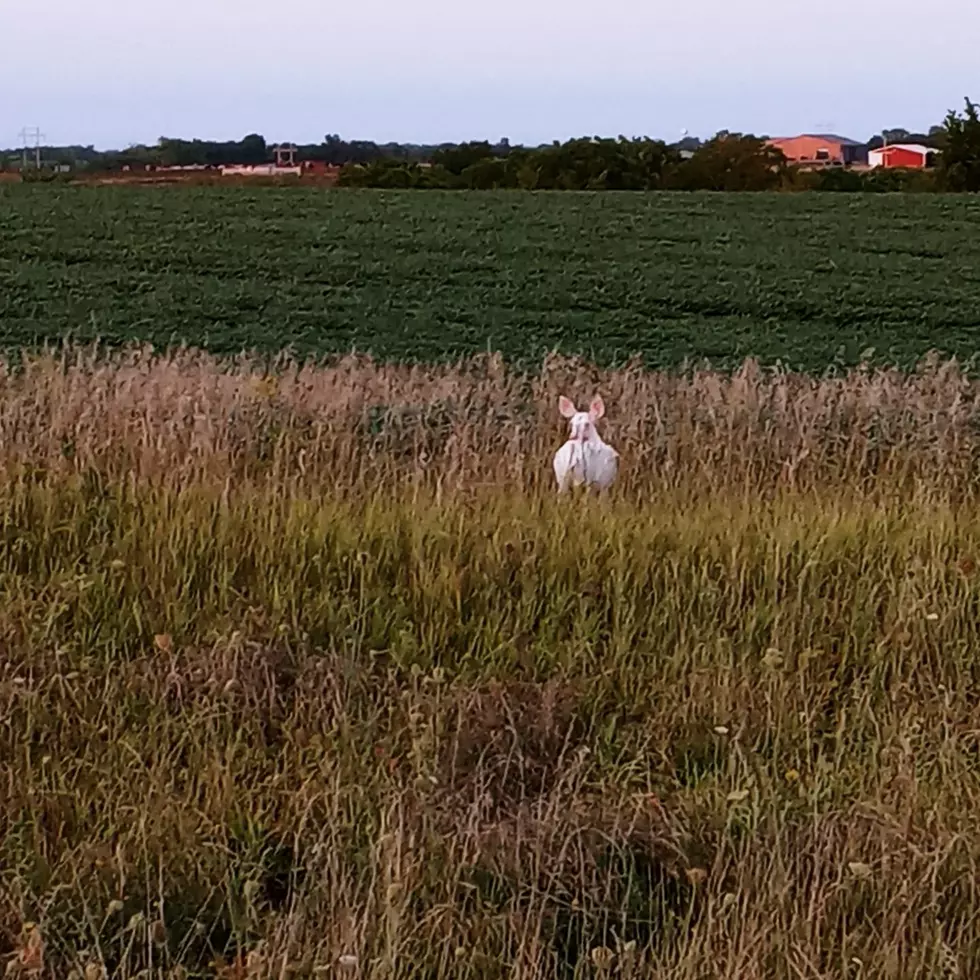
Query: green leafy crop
pixel 812 281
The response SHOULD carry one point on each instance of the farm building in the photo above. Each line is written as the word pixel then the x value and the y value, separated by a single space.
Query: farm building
pixel 902 155
pixel 821 148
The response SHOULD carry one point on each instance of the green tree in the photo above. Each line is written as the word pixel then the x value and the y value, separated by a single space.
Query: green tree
pixel 899 135
pixel 959 165
pixel 592 164
pixel 732 162
pixel 456 159
pixel 491 173
pixel 386 172
pixel 253 150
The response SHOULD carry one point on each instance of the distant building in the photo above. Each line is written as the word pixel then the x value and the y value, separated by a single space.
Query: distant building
pixel 687 147
pixel 902 155
pixel 259 170
pixel 821 149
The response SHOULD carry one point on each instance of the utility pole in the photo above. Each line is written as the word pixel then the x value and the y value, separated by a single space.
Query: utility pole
pixel 35 134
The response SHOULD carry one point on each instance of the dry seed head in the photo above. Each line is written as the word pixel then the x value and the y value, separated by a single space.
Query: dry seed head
pixel 30 955
pixel 255 963
pixel 696 876
pixel 627 951
pixel 602 957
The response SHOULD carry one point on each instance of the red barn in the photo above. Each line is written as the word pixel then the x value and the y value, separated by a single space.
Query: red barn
pixel 903 155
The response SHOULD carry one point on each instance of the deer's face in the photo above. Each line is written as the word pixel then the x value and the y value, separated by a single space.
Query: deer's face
pixel 582 423
pixel 581 427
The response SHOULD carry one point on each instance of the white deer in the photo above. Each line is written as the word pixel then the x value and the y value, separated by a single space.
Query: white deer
pixel 584 458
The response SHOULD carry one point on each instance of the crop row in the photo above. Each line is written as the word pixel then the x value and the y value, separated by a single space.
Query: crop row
pixel 808 280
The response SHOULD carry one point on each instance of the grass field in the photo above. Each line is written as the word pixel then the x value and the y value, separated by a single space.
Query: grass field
pixel 810 280
pixel 306 671
pixel 309 674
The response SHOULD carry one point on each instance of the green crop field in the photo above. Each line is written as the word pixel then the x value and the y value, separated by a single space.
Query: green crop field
pixel 809 280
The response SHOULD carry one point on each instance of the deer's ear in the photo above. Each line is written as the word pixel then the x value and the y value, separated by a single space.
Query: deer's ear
pixel 566 407
pixel 597 409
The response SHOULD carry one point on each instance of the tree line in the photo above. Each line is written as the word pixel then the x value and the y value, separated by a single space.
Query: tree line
pixel 726 162
pixel 252 149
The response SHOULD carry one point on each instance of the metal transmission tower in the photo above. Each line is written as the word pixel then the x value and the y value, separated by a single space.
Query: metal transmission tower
pixel 34 133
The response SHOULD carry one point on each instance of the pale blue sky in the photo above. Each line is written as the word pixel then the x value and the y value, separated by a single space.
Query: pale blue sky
pixel 114 73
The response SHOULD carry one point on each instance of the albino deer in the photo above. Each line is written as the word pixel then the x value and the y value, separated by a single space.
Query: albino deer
pixel 585 458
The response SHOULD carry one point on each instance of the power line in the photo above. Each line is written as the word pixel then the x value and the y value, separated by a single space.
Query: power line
pixel 35 134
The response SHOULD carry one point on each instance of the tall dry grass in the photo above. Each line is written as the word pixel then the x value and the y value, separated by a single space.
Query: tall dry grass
pixel 187 419
pixel 306 672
